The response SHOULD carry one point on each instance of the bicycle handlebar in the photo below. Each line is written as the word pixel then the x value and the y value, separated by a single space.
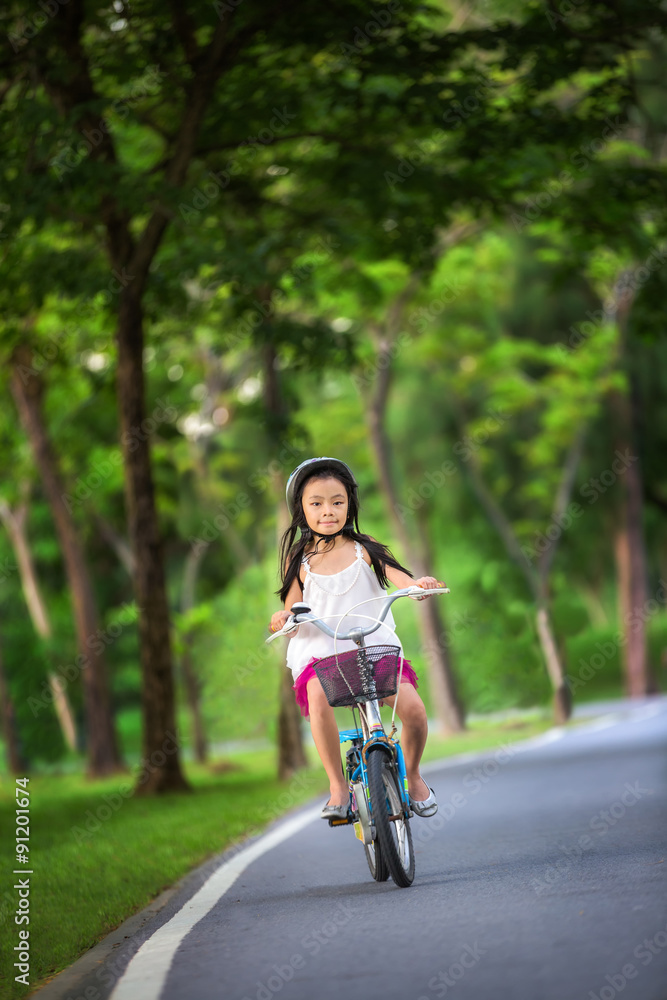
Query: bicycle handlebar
pixel 300 617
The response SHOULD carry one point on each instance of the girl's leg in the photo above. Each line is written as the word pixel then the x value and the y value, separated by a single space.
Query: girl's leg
pixel 325 734
pixel 412 714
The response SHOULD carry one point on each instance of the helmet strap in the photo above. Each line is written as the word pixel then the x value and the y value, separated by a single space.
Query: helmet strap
pixel 335 535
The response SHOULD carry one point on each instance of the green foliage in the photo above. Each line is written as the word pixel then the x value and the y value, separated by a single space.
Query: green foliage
pixel 25 663
pixel 240 673
pixel 498 174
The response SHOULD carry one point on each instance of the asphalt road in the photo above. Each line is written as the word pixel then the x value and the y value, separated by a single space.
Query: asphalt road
pixel 543 877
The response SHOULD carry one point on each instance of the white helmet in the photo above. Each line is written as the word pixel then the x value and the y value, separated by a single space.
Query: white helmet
pixel 307 468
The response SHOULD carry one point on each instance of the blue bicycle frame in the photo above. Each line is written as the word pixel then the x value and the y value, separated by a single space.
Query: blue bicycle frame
pixel 358 776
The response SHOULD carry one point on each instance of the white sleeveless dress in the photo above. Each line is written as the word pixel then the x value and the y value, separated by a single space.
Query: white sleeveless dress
pixel 330 595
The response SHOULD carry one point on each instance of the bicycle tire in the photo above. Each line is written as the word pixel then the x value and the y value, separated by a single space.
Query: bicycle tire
pixel 394 835
pixel 376 864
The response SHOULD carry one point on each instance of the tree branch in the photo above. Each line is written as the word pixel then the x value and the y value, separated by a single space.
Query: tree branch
pixel 562 500
pixel 184 28
pixel 210 66
pixel 79 92
pixel 502 524
pixel 119 544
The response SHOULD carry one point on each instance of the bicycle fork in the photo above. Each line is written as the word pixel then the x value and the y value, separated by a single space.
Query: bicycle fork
pixel 360 806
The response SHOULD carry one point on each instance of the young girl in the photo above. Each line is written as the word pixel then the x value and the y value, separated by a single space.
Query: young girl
pixel 332 567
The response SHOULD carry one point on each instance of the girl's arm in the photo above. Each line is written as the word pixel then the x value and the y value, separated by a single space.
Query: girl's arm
pixel 401 579
pixel 280 617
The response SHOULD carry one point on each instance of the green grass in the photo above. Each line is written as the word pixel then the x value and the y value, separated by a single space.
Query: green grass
pixel 482 735
pixel 99 856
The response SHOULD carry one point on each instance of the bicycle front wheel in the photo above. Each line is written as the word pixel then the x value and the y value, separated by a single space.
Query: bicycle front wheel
pixel 392 828
pixel 376 863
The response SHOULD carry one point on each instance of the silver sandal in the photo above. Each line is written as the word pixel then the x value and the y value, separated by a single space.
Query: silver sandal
pixel 425 807
pixel 334 812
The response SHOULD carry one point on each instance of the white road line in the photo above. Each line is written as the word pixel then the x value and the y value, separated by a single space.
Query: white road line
pixel 551 735
pixel 638 714
pixel 147 971
pixel 604 723
pixel 649 712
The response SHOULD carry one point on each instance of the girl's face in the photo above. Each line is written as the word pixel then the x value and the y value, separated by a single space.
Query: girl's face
pixel 325 505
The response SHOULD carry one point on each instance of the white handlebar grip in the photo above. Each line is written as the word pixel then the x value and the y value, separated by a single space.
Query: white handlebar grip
pixel 417 592
pixel 285 630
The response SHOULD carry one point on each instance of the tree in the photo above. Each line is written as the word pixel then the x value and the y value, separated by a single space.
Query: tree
pixel 101 744
pixel 448 707
pixel 518 412
pixel 15 523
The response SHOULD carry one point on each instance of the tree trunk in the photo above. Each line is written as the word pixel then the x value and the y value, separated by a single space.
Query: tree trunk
pixel 630 556
pixel 193 689
pixel 553 652
pixel 448 708
pixel 102 748
pixel 15 523
pixel 160 745
pixel 435 641
pixel 75 97
pixel 537 580
pixel 629 543
pixel 291 752
pixel 562 696
pixel 16 763
pixel 191 679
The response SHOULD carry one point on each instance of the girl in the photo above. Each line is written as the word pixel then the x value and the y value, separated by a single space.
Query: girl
pixel 331 567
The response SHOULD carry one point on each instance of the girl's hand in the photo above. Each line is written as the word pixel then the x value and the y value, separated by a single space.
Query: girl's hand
pixel 278 620
pixel 428 583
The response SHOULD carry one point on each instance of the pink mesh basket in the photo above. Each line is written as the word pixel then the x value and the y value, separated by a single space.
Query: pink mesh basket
pixel 359 675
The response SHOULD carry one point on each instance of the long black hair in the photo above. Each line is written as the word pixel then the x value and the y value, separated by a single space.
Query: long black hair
pixel 291 551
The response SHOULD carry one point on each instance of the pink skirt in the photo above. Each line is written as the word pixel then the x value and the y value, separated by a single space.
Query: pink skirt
pixel 300 687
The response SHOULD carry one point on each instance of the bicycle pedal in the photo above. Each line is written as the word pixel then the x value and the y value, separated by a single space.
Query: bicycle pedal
pixel 342 822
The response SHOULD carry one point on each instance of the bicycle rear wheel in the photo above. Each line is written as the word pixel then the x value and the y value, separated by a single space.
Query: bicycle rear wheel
pixel 393 833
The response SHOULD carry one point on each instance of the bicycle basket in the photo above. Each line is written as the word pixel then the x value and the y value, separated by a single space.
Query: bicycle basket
pixel 358 675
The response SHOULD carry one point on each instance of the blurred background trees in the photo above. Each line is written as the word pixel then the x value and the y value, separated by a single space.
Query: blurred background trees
pixel 428 239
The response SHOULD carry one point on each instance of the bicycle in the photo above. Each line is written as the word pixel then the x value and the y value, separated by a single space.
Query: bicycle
pixel 379 806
